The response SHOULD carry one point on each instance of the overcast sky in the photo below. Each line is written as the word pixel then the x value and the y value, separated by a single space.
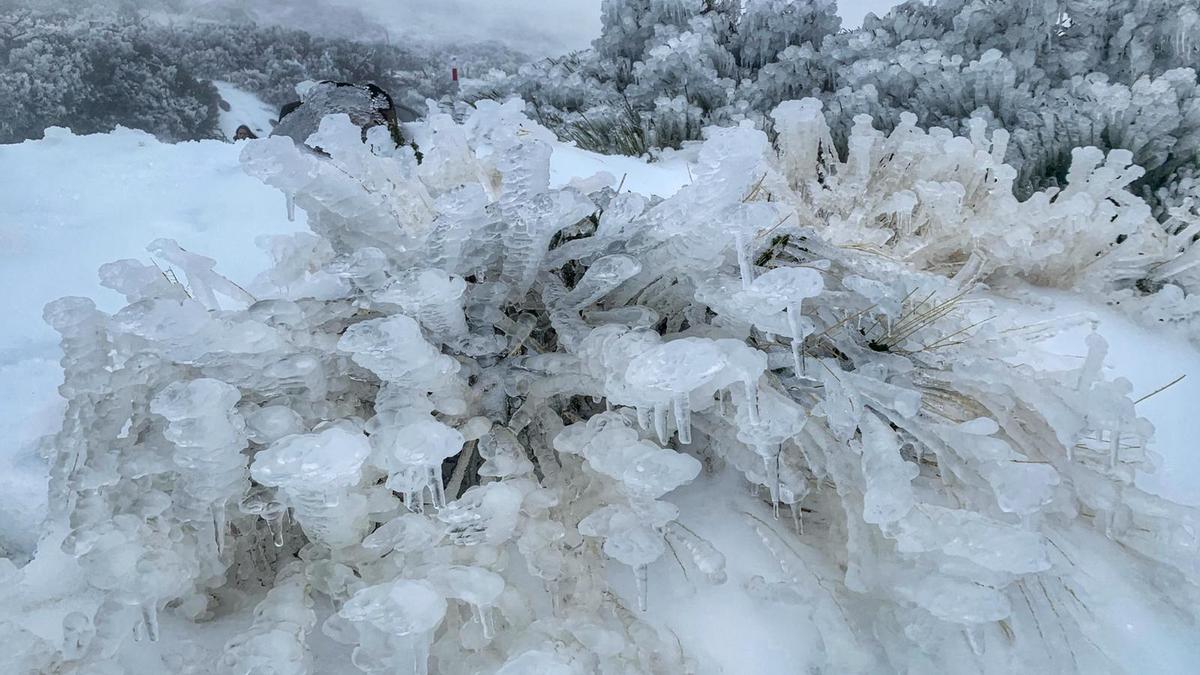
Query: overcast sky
pixel 537 27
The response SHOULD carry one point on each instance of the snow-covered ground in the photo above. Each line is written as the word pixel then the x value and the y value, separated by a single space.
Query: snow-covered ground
pixel 71 203
pixel 244 108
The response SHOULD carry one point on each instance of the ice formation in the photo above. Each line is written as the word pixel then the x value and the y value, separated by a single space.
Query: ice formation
pixel 469 393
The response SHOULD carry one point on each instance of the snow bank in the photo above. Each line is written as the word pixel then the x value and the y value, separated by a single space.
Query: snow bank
pixel 244 108
pixel 70 204
pixel 1149 359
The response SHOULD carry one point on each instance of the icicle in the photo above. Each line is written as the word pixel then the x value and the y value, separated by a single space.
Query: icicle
pixel 276 524
pixel 436 488
pixel 643 417
pixel 743 254
pixel 218 517
pixel 660 422
pixel 752 400
pixel 778 491
pixel 721 402
pixel 974 636
pixel 641 577
pixel 77 635
pixel 683 418
pixel 483 615
pixel 793 318
pixel 150 619
pixel 291 207
pixel 798 518
pixel 1114 447
pixel 772 477
pixel 420 652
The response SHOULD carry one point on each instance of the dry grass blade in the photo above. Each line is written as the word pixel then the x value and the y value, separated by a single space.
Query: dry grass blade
pixel 1166 386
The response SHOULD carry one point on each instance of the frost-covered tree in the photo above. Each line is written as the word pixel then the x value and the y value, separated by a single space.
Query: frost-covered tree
pixel 769 26
pixel 451 413
pixel 92 70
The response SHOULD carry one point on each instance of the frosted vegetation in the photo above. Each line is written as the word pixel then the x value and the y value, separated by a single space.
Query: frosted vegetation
pixel 75 67
pixel 1043 78
pixel 468 399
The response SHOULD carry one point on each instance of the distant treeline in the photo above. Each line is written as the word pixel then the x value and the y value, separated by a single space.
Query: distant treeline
pixel 92 74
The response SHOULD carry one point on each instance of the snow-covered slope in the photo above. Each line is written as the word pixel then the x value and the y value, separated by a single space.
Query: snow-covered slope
pixel 244 108
pixel 68 205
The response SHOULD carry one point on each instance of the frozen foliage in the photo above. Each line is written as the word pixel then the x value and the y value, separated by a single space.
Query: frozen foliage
pixel 1055 74
pixel 469 395
pixel 91 69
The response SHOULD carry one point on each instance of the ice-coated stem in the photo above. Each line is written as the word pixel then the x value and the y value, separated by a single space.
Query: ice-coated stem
pixel 436 488
pixel 752 400
pixel 483 614
pixel 793 318
pixel 683 417
pixel 218 517
pixel 772 478
pixel 743 254
pixel 660 422
pixel 276 524
pixel 974 636
pixel 414 500
pixel 1114 447
pixel 150 619
pixel 643 417
pixel 641 578
pixel 420 653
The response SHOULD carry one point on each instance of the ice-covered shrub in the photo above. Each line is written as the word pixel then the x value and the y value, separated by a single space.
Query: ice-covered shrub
pixel 946 203
pixel 450 408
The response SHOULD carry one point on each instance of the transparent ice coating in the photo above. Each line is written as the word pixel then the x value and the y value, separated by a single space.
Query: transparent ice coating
pixel 433 298
pixel 326 459
pixel 209 438
pixel 536 662
pixel 420 448
pixel 405 533
pixel 672 371
pixel 484 514
pixel 476 586
pixel 277 641
pixel 426 322
pixel 395 350
pixel 603 276
pixel 395 621
pixel 269 424
pixel 317 471
pixel 503 454
pixel 785 289
pixel 888 495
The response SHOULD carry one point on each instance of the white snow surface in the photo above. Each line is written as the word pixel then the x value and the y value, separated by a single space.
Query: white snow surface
pixel 71 203
pixel 244 108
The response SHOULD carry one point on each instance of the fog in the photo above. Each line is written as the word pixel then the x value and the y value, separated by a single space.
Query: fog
pixel 535 27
